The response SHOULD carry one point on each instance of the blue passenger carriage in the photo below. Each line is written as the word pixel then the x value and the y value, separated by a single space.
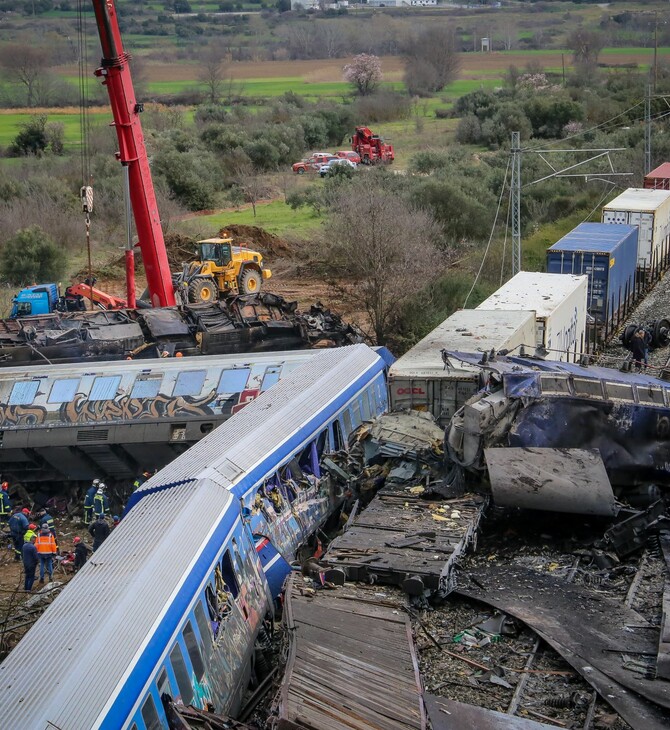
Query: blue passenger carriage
pixel 173 602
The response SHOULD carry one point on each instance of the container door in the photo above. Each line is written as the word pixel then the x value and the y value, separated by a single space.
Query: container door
pixel 645 221
pixel 616 216
pixel 409 393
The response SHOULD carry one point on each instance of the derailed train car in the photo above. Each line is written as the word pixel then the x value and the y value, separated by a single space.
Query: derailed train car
pixel 112 420
pixel 254 323
pixel 172 603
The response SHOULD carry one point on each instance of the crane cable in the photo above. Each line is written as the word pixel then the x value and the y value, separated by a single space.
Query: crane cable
pixel 86 190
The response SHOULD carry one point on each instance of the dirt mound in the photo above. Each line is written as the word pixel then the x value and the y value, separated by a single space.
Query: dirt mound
pixel 258 238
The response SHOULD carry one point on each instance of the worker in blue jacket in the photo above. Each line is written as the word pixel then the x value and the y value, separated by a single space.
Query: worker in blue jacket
pixel 46 520
pixel 100 502
pixel 5 503
pixel 18 524
pixel 30 562
pixel 88 502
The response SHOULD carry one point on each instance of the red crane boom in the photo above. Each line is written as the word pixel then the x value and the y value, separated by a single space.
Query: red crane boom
pixel 115 74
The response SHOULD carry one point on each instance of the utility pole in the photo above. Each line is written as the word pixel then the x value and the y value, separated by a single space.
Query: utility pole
pixel 647 130
pixel 655 51
pixel 516 202
pixel 556 170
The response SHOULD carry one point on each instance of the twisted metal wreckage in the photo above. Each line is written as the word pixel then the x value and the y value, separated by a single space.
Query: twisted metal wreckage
pixel 253 323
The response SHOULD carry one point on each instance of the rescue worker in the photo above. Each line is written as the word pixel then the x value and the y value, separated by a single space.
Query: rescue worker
pixel 99 531
pixel 100 502
pixel 5 503
pixel 116 521
pixel 46 520
pixel 88 502
pixel 18 524
pixel 46 549
pixel 30 532
pixel 30 560
pixel 141 479
pixel 81 552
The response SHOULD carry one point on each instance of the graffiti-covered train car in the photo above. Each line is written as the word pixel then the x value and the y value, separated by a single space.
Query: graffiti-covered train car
pixel 111 420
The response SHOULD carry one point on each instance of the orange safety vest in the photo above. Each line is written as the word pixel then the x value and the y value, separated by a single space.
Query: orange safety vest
pixel 45 544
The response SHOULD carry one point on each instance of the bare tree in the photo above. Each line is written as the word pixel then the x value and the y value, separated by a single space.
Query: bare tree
pixel 212 72
pixel 508 31
pixel 378 252
pixel 586 46
pixel 432 60
pixel 25 64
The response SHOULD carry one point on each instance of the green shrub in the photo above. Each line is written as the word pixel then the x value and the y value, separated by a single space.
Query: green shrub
pixel 30 257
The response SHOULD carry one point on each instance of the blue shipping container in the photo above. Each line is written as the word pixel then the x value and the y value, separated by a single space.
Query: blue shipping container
pixel 607 253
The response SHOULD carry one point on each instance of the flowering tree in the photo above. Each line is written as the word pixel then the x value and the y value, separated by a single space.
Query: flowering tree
pixel 364 72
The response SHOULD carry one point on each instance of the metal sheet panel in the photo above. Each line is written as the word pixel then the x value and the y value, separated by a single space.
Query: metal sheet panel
pixel 558 480
pixel 445 714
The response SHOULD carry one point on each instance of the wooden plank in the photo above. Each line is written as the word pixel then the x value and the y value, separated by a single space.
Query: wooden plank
pixel 351 663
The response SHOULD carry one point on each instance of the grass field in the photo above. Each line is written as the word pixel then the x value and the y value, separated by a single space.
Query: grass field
pixel 276 217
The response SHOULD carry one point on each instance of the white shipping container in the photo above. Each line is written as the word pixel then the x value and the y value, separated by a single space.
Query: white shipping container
pixel 420 380
pixel 559 303
pixel 650 211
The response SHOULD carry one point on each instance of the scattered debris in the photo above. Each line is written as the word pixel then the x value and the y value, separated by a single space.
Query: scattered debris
pixel 590 631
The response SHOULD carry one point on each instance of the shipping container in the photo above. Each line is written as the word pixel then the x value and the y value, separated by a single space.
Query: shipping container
pixel 650 211
pixel 422 381
pixel 559 303
pixel 607 254
pixel 658 179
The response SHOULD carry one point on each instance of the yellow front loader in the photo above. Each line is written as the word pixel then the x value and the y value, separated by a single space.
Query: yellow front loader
pixel 222 270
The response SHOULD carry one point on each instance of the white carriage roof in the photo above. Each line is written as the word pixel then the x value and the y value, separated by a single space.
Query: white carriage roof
pixel 93 631
pixel 238 444
pixel 467 330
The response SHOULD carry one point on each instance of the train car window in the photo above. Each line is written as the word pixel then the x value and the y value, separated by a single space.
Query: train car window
pixel 229 574
pixel 181 675
pixel 338 439
pixel 163 684
pixel 205 629
pixel 233 381
pixel 23 393
pixel 190 382
pixel 348 427
pixel 194 651
pixel 63 390
pixel 146 387
pixel 105 387
pixel 356 413
pixel 365 405
pixel 133 727
pixel 322 443
pixel 270 378
pixel 150 715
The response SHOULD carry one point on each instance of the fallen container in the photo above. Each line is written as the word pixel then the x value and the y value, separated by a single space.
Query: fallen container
pixel 559 303
pixel 650 211
pixel 422 381
pixel 607 254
